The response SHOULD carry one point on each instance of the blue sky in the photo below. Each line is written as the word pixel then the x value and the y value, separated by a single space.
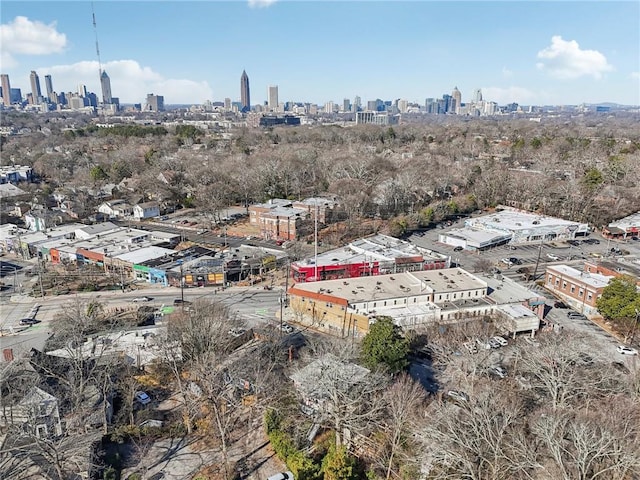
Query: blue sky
pixel 527 52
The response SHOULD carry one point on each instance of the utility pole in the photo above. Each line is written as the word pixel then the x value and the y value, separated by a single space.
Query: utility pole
pixel 535 270
pixel 181 286
pixel 40 276
pixel 283 297
pixel 316 241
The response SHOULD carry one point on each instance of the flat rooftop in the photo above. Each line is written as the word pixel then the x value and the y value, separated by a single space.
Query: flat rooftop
pixel 592 279
pixel 516 310
pixel 476 236
pixel 504 290
pixel 625 223
pixel 516 220
pixel 378 248
pixel 406 284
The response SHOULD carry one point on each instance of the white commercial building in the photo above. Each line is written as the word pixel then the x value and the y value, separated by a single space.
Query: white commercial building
pixel 512 226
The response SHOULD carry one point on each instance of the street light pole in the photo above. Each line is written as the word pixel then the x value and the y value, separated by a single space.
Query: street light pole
pixel 181 285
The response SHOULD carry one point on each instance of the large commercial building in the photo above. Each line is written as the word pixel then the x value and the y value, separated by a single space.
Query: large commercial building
pixel 272 97
pixel 105 84
pixel 245 96
pixel 624 228
pixel 512 226
pixel 377 118
pixel 155 103
pixel 375 255
pixel 580 289
pixel 347 307
pixel 35 87
pixel 6 89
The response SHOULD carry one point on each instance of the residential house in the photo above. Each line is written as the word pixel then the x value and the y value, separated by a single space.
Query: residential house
pixel 116 209
pixel 36 414
pixel 146 210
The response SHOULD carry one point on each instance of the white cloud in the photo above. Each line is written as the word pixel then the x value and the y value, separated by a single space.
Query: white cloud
pixel 635 75
pixel 506 73
pixel 261 3
pixel 25 37
pixel 565 60
pixel 508 95
pixel 130 82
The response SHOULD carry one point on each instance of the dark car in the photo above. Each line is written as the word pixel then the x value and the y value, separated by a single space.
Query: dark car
pixel 559 304
pixel 179 301
pixel 515 261
pixel 575 243
pixel 458 249
pixel 29 321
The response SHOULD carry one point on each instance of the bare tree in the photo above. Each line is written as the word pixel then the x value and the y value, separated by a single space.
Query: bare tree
pixel 405 402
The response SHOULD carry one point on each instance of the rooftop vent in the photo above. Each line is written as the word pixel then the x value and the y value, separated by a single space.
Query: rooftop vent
pixel 392 278
pixel 345 283
pixel 378 282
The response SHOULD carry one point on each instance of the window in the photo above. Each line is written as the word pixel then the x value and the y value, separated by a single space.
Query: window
pixel 374 304
pixel 581 293
pixel 573 288
pixel 439 297
pixel 557 282
pixel 454 296
pixel 564 285
pixel 469 294
pixel 589 296
pixel 385 303
pixel 395 302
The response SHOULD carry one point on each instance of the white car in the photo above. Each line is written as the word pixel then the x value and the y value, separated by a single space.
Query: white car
pixel 143 398
pixel 553 256
pixel 626 350
pixel 500 340
pixel 507 261
pixel 282 476
pixel 141 299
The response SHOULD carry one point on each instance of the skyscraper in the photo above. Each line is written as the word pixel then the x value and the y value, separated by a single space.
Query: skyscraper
pixel 6 89
pixel 245 99
pixel 35 87
pixel 105 83
pixel 273 97
pixel 457 97
pixel 477 95
pixel 48 85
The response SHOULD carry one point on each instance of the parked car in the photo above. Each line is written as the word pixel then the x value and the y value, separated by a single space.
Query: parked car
pixel 560 304
pixel 575 243
pixel 507 261
pixel 142 398
pixel 498 371
pixel 512 247
pixel 623 350
pixel 287 328
pixel 515 261
pixel 576 316
pixel 282 476
pixel 501 340
pixel 483 345
pixel 458 249
pixel 179 301
pixel 142 299
pixel 493 343
pixel 553 256
pixel 591 241
pixel 29 321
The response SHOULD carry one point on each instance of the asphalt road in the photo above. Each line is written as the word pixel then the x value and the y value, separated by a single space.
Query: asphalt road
pixel 254 305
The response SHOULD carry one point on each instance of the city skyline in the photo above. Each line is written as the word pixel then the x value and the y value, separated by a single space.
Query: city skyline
pixel 526 52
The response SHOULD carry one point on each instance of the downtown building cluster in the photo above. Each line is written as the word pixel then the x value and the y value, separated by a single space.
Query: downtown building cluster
pixel 376 111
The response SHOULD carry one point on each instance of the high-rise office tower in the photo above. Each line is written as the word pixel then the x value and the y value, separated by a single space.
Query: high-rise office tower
pixel 82 90
pixel 457 97
pixel 155 103
pixel 245 98
pixel 357 103
pixel 6 89
pixel 48 85
pixel 105 83
pixel 35 87
pixel 477 95
pixel 273 97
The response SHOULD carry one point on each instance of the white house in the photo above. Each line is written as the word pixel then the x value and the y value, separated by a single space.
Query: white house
pixel 146 210
pixel 116 208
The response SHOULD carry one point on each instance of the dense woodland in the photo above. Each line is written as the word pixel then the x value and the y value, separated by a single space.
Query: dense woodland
pixel 584 168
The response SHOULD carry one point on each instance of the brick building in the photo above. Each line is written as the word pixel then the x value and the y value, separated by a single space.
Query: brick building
pixel 580 289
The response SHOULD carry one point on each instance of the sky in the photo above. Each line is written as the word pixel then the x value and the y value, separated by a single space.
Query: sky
pixel 532 53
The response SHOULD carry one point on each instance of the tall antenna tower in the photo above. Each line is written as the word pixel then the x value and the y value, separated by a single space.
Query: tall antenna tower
pixel 95 31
